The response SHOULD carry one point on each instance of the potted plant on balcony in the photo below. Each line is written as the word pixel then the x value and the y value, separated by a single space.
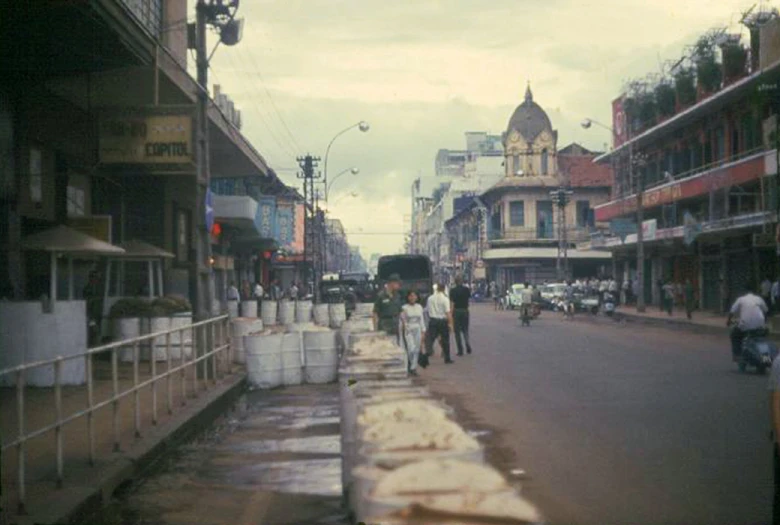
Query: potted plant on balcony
pixel 708 71
pixel 685 87
pixel 734 60
pixel 665 99
pixel 129 319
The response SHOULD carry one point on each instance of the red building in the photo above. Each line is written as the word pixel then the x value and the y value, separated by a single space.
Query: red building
pixel 707 161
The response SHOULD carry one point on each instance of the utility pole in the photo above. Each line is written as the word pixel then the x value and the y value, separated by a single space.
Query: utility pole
pixel 561 196
pixel 308 165
pixel 201 281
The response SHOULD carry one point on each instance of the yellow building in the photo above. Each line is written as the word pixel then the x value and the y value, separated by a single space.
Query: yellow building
pixel 515 228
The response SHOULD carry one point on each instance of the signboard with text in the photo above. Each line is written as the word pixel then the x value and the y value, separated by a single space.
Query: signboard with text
pixel 619 122
pixel 298 230
pixel 285 225
pixel 150 139
pixel 649 229
pixel 622 227
pixel 265 219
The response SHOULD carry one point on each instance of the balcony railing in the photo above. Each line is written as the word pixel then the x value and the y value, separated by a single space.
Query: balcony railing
pixel 573 234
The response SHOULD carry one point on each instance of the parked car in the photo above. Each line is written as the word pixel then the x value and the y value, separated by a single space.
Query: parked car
pixel 550 293
pixel 514 297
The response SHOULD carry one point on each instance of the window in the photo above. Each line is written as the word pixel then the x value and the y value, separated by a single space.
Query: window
pixel 545 161
pixel 544 219
pixel 516 164
pixel 583 212
pixel 517 213
pixel 75 197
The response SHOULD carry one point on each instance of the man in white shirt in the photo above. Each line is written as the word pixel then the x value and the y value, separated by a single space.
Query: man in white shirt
pixel 258 294
pixel 232 292
pixel 526 303
pixel 439 323
pixel 750 311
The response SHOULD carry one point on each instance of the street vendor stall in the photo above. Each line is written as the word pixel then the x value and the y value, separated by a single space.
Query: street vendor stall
pixel 53 326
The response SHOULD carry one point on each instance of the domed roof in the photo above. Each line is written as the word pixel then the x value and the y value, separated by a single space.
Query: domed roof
pixel 529 119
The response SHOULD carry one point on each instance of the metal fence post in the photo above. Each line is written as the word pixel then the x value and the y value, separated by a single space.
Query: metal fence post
pixel 195 363
pixel 211 347
pixel 115 380
pixel 58 415
pixel 169 376
pixel 20 452
pixel 90 414
pixel 136 393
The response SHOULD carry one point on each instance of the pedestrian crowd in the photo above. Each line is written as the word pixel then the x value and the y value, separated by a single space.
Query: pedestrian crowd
pixel 418 327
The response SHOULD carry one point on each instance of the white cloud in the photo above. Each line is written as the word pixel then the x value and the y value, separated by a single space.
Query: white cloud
pixel 422 72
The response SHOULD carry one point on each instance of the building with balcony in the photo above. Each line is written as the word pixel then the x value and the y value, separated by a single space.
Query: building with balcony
pixel 99 119
pixel 708 175
pixel 514 231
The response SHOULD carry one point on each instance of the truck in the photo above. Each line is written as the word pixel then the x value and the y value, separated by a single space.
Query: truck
pixel 415 271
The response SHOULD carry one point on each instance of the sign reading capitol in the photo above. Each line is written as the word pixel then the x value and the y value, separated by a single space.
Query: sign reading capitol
pixel 152 139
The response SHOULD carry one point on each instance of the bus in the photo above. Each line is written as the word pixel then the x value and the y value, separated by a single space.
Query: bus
pixel 415 271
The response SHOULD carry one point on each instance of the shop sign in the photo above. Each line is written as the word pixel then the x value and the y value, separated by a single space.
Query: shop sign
pixel 649 229
pixel 150 139
pixel 285 225
pixel 97 226
pixel 691 228
pixel 622 228
pixel 265 219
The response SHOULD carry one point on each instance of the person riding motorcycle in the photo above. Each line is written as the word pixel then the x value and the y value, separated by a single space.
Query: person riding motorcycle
pixel 750 311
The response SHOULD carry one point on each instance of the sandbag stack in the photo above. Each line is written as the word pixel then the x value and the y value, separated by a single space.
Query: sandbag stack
pixel 405 460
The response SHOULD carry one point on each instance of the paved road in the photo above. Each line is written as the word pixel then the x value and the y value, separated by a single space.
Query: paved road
pixel 615 424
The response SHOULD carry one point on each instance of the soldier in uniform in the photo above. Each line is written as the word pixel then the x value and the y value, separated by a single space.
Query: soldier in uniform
pixel 387 307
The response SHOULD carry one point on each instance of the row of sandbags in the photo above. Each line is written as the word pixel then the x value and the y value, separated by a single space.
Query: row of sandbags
pixel 404 458
pixel 286 312
pixel 285 355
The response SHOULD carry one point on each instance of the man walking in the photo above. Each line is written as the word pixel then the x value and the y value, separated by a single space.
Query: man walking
pixel 387 307
pixel 258 294
pixel 689 298
pixel 526 302
pixel 667 292
pixel 439 323
pixel 459 302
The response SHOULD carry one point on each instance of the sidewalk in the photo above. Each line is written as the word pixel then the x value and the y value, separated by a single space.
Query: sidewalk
pixel 701 321
pixel 83 484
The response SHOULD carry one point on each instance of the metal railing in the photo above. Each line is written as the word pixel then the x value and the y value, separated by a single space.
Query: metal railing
pixel 210 359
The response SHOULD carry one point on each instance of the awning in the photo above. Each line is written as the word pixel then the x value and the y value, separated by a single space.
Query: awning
pixel 143 250
pixel 540 253
pixel 62 239
pixel 238 211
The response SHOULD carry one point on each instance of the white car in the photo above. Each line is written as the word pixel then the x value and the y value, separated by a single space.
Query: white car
pixel 515 298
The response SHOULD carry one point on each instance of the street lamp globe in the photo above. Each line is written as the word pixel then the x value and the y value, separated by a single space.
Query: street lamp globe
pixel 363 126
pixel 586 123
pixel 354 171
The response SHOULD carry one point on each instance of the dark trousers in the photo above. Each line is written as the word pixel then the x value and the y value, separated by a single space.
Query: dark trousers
pixel 776 503
pixel 460 320
pixel 737 336
pixel 438 329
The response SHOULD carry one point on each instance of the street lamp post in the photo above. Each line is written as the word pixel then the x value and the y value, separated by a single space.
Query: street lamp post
pixel 634 161
pixel 362 126
pixel 353 171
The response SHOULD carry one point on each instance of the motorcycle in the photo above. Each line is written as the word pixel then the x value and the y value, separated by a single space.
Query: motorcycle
pixel 757 351
pixel 609 304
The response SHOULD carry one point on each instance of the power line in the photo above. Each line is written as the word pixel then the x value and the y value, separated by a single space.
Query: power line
pixel 276 109
pixel 248 71
pixel 286 149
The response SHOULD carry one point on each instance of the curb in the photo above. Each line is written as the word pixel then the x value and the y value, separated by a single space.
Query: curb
pixel 671 324
pixel 77 503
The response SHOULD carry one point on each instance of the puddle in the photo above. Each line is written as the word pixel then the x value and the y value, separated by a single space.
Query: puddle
pixel 305 445
pixel 321 477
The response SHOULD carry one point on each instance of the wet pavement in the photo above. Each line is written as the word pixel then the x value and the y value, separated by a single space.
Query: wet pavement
pixel 275 459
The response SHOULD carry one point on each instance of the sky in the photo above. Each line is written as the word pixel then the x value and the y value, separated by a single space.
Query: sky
pixel 423 72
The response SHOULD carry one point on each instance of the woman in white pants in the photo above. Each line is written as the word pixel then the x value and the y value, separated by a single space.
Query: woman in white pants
pixel 413 329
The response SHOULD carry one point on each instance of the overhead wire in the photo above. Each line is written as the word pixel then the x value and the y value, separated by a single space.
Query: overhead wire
pixel 289 142
pixel 240 71
pixel 273 103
